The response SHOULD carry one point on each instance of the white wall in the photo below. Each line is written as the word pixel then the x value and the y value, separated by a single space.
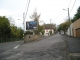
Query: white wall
pixel 70 28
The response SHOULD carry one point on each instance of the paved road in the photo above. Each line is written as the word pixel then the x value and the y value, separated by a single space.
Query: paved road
pixel 51 48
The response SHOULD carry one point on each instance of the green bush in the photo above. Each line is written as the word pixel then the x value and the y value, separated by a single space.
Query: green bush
pixel 28 32
pixel 50 32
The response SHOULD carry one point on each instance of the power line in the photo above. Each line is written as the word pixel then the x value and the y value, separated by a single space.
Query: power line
pixel 63 12
pixel 59 15
pixel 26 5
pixel 69 3
pixel 70 11
pixel 73 6
pixel 27 9
pixel 63 19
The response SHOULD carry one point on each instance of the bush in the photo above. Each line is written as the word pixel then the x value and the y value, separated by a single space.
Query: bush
pixel 28 32
pixel 50 32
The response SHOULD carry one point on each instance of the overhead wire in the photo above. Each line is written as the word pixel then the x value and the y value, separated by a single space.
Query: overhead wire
pixel 63 11
pixel 69 3
pixel 71 9
pixel 26 5
pixel 73 6
pixel 27 10
pixel 59 15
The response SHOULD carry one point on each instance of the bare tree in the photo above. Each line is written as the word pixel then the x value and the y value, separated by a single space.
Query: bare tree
pixel 11 20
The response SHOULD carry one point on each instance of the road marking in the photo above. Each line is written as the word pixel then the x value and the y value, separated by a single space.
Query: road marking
pixel 16 46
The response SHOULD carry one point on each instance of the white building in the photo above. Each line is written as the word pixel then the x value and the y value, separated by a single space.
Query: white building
pixel 47 32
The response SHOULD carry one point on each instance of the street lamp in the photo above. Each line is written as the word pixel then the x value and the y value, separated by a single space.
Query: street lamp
pixel 69 19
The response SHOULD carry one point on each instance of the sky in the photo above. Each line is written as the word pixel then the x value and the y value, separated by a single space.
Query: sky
pixel 49 9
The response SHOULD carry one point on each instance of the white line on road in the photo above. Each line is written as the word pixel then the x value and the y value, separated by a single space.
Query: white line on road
pixel 16 46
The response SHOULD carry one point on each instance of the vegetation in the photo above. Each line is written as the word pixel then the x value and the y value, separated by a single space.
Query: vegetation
pixel 35 17
pixel 50 32
pixel 28 32
pixel 8 30
pixel 63 26
pixel 76 16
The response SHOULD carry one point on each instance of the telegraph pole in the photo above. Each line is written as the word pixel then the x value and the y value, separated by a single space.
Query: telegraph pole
pixel 24 22
pixel 50 24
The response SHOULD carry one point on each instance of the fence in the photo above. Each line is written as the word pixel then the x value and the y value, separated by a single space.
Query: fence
pixel 10 39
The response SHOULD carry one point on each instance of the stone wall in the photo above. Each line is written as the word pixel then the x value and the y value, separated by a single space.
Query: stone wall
pixel 29 38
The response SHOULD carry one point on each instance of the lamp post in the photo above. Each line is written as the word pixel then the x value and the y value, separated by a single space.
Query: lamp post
pixel 24 21
pixel 69 20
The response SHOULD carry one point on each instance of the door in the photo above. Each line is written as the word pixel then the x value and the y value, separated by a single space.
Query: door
pixel 78 32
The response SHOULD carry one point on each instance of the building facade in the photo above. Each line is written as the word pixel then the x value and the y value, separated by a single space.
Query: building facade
pixel 76 28
pixel 47 32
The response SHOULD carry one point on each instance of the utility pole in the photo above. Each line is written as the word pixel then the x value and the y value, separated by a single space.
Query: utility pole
pixel 50 24
pixel 69 22
pixel 24 22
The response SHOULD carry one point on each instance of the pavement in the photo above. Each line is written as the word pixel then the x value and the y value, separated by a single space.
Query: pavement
pixel 50 48
pixel 73 46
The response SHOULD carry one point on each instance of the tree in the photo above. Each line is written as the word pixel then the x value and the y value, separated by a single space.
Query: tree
pixel 50 32
pixel 11 20
pixel 35 17
pixel 76 16
pixel 4 27
pixel 16 32
pixel 63 26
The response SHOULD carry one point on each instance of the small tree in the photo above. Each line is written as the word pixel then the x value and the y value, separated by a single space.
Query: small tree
pixel 35 17
pixel 63 26
pixel 50 32
pixel 43 32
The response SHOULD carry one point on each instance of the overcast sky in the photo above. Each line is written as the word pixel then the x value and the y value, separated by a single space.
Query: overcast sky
pixel 49 9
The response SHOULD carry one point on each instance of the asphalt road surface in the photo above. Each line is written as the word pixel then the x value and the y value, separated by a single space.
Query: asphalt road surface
pixel 50 48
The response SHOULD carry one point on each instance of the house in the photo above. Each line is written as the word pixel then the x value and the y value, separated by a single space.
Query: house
pixel 48 28
pixel 47 31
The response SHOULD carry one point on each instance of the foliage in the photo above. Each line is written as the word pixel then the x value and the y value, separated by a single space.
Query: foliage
pixel 4 27
pixel 35 17
pixel 76 16
pixel 28 32
pixel 43 32
pixel 7 31
pixel 50 32
pixel 63 26
pixel 11 20
pixel 16 32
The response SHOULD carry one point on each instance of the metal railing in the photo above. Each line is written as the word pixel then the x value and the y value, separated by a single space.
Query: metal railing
pixel 2 40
